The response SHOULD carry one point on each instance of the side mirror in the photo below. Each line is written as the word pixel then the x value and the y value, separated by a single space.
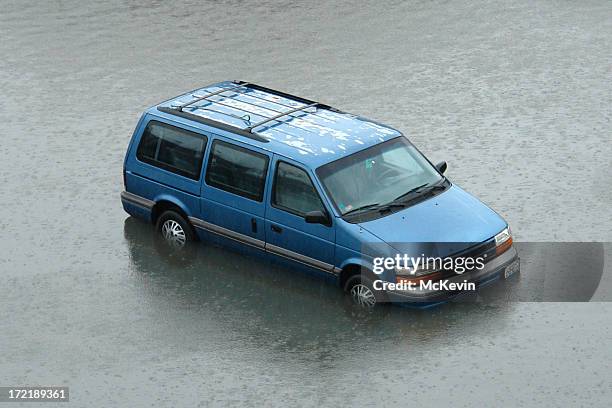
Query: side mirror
pixel 441 167
pixel 316 217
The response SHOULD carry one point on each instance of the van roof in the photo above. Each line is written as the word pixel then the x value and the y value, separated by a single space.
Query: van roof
pixel 301 129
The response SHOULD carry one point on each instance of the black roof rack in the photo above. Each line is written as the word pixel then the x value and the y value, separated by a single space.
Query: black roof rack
pixel 248 132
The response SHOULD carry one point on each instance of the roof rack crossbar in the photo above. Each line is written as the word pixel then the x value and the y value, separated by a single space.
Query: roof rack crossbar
pixel 245 118
pixel 201 98
pixel 244 92
pixel 248 112
pixel 203 107
pixel 239 92
pixel 280 115
pixel 250 95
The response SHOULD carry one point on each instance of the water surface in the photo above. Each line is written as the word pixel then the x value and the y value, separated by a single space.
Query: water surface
pixel 514 95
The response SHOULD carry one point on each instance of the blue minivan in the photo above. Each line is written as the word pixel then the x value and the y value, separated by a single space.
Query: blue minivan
pixel 308 185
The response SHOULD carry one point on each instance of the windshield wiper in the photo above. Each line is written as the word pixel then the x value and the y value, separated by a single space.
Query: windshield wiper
pixel 398 202
pixel 423 187
pixel 375 207
pixel 389 206
pixel 407 193
pixel 363 208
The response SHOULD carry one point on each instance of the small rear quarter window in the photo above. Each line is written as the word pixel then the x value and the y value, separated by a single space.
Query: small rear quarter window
pixel 173 149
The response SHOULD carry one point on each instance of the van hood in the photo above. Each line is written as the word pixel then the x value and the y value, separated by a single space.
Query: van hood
pixel 452 216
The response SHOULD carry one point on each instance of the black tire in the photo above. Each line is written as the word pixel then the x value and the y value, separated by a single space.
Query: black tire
pixel 361 290
pixel 175 229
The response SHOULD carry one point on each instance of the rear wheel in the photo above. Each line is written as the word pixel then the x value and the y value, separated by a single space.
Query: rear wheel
pixel 175 229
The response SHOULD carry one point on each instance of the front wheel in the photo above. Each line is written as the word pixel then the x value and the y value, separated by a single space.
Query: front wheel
pixel 175 229
pixel 362 292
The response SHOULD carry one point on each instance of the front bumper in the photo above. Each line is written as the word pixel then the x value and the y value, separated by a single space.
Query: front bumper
pixel 492 271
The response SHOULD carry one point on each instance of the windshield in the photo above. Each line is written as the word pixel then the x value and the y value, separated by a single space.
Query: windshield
pixel 377 175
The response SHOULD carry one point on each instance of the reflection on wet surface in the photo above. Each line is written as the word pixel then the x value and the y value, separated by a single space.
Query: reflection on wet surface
pixel 232 289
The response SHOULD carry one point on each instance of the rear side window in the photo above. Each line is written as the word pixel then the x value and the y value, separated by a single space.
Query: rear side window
pixel 237 170
pixel 294 192
pixel 170 148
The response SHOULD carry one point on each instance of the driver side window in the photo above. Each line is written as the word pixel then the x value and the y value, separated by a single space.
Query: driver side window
pixel 294 191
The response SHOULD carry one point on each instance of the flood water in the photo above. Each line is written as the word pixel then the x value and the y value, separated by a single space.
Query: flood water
pixel 516 96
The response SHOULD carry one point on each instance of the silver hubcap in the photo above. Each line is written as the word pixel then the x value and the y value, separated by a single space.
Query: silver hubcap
pixel 173 233
pixel 362 295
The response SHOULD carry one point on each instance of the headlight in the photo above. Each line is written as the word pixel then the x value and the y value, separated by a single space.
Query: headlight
pixel 503 241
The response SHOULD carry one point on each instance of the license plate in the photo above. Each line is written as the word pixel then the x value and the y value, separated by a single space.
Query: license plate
pixel 513 268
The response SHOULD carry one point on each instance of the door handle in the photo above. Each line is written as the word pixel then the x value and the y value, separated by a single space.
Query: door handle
pixel 254 225
pixel 276 228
